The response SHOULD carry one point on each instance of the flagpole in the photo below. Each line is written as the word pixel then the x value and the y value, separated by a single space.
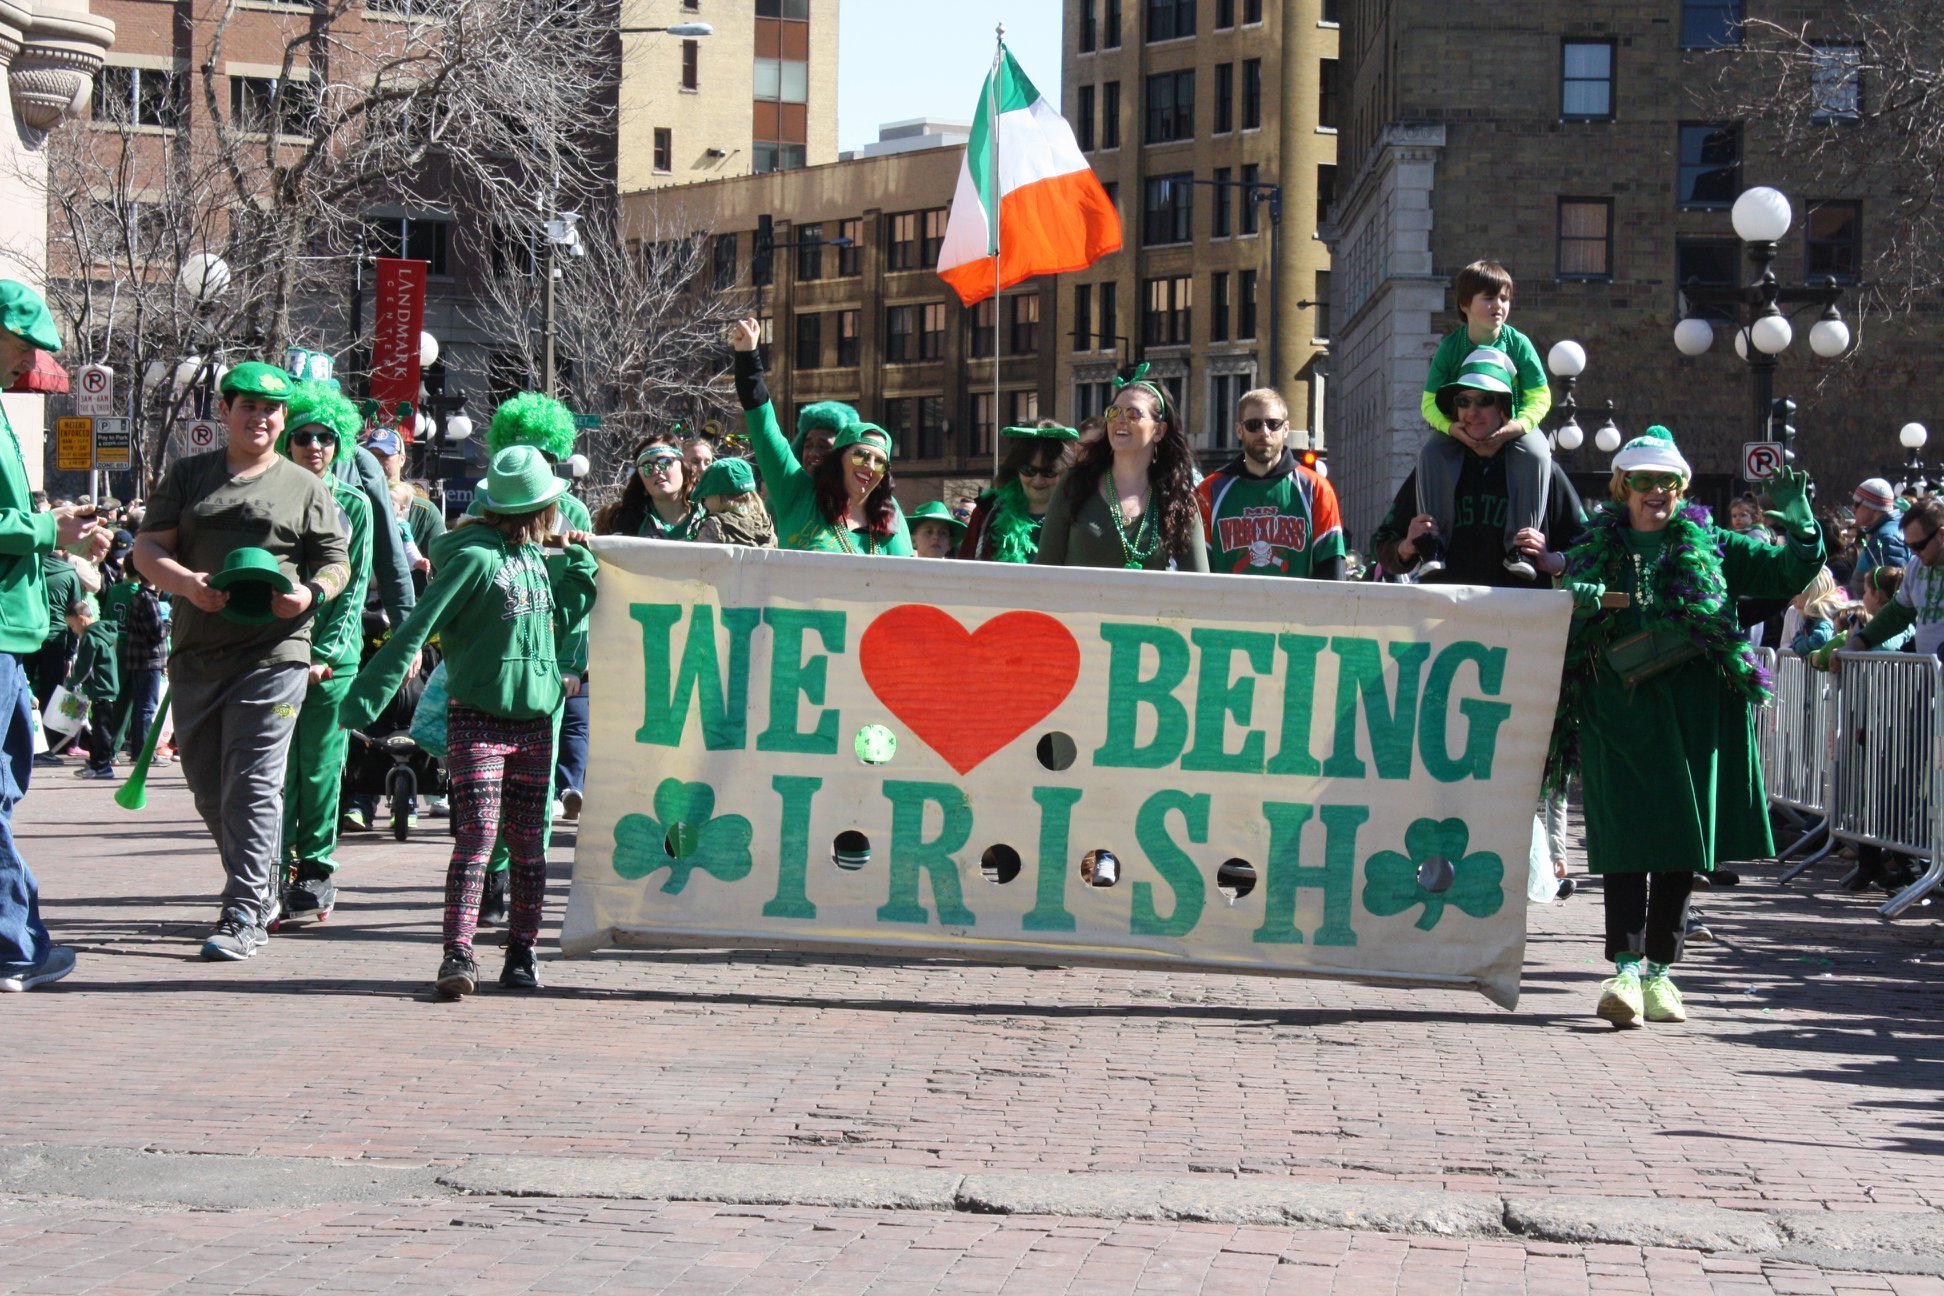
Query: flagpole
pixel 992 126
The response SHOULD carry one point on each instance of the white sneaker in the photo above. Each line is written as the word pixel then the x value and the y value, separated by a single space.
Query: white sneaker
pixel 559 810
pixel 436 807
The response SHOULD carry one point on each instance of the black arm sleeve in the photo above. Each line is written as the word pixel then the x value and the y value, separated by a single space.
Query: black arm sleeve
pixel 1565 515
pixel 1331 570
pixel 751 390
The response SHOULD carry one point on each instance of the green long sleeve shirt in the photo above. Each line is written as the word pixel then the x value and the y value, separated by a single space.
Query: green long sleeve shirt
pixel 337 635
pixel 24 536
pixel 1530 404
pixel 800 523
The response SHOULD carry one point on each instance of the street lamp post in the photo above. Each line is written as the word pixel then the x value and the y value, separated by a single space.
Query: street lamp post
pixel 1566 362
pixel 1762 218
pixel 1912 436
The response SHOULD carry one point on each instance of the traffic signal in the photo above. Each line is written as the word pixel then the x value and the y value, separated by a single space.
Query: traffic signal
pixel 1313 460
pixel 761 269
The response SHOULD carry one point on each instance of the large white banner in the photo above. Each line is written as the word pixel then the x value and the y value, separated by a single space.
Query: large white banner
pixel 1050 766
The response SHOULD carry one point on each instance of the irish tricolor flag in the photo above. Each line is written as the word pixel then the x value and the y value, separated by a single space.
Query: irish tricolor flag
pixel 1027 202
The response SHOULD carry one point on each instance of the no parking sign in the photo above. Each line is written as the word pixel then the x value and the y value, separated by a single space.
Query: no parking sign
pixel 202 436
pixel 94 392
pixel 1761 460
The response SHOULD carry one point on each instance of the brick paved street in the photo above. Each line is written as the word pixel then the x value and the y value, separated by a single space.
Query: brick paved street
pixel 1806 1082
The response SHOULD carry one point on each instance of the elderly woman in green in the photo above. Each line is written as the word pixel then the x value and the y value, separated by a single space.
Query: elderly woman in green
pixel 845 504
pixel 1655 707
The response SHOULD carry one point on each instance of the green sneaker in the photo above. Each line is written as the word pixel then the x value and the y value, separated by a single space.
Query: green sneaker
pixel 1662 1000
pixel 1620 1000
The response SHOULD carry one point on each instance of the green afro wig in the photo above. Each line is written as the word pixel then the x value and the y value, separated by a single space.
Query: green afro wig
pixel 536 420
pixel 825 416
pixel 323 403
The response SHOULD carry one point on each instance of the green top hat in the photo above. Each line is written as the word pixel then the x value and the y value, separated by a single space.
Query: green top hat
pixel 1042 433
pixel 869 434
pixel 1486 369
pixel 725 477
pixel 519 480
pixel 23 313
pixel 254 378
pixel 935 511
pixel 251 576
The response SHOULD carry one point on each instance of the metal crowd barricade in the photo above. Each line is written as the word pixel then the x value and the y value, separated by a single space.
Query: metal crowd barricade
pixel 1794 741
pixel 1887 784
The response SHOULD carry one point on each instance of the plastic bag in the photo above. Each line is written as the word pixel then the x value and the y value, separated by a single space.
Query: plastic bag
pixel 429 716
pixel 66 712
pixel 1541 886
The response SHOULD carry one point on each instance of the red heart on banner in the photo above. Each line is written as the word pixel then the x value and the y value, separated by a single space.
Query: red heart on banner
pixel 968 693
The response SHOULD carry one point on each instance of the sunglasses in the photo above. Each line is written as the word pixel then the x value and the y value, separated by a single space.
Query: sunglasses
pixel 660 464
pixel 1034 470
pixel 873 462
pixel 1484 400
pixel 1918 546
pixel 1654 481
pixel 308 438
pixel 1122 414
pixel 1265 424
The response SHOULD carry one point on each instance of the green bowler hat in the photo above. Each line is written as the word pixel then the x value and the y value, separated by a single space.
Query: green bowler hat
pixel 725 477
pixel 251 576
pixel 869 434
pixel 254 378
pixel 935 511
pixel 1041 433
pixel 23 313
pixel 519 480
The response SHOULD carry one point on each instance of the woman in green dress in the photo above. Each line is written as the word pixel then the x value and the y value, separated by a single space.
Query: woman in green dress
pixel 1656 705
pixel 656 504
pixel 846 504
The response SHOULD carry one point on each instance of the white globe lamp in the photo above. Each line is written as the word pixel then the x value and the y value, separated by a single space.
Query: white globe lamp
pixel 428 350
pixel 1607 439
pixel 185 373
pixel 1693 337
pixel 1829 338
pixel 1911 436
pixel 1566 360
pixel 1762 215
pixel 1571 436
pixel 204 275
pixel 577 466
pixel 1741 343
pixel 1772 334
pixel 458 426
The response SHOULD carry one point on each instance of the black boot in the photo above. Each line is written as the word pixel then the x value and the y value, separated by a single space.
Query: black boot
pixel 492 901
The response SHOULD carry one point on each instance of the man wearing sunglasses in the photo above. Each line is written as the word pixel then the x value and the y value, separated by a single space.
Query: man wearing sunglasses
pixel 1920 599
pixel 1471 551
pixel 1265 513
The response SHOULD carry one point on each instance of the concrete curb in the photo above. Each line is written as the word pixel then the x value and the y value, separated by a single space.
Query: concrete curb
pixel 207 1182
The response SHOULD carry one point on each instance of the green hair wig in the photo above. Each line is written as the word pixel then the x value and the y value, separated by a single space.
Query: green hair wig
pixel 322 403
pixel 532 419
pixel 825 416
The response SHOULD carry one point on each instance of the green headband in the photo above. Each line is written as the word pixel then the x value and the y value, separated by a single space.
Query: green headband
pixel 1139 379
pixel 657 451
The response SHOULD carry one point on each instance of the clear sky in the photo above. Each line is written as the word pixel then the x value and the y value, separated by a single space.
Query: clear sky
pixel 898 59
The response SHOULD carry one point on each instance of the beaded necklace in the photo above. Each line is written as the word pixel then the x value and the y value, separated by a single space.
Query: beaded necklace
pixel 1132 554
pixel 850 547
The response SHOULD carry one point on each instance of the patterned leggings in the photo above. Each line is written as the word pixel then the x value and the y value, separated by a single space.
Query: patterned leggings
pixel 497 770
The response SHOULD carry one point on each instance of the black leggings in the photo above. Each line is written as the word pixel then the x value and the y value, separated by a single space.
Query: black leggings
pixel 1646 913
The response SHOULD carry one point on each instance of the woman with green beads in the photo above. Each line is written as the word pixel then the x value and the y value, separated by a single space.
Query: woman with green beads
pixel 1655 708
pixel 846 504
pixel 1130 499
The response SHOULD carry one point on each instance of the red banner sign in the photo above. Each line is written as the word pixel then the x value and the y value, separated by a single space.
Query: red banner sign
pixel 395 333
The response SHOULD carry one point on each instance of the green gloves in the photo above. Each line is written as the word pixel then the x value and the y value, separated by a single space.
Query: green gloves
pixel 1819 659
pixel 1586 596
pixel 1789 488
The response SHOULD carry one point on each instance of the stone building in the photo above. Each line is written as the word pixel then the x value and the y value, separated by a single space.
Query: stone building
pixel 1571 142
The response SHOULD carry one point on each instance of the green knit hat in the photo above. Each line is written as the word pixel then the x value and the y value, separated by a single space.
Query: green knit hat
pixel 824 416
pixel 869 434
pixel 725 477
pixel 532 419
pixel 323 404
pixel 1486 369
pixel 254 378
pixel 935 511
pixel 23 313
pixel 1653 449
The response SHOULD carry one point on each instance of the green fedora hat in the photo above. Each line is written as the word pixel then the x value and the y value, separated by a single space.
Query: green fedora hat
pixel 725 477
pixel 935 511
pixel 519 480
pixel 251 576
pixel 254 378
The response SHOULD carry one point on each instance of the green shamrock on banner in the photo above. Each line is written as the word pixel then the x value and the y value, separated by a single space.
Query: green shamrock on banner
pixel 683 835
pixel 1391 883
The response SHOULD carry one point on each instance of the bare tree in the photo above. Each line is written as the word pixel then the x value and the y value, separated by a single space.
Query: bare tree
pixel 1853 103
pixel 638 328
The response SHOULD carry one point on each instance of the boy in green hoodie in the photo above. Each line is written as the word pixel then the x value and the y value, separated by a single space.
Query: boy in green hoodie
pixel 94 676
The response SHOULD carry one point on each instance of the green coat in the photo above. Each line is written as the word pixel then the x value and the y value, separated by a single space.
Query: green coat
pixel 24 536
pixel 337 635
pixel 1672 778
pixel 800 523
pixel 95 674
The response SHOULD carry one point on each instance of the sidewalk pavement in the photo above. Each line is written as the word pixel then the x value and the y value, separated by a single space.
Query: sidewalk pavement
pixel 1798 1105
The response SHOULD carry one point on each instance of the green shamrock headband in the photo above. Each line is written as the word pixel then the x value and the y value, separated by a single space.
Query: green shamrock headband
pixel 1139 379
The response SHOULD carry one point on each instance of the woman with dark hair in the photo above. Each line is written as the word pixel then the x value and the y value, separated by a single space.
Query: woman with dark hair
pixel 655 504
pixel 846 505
pixel 1005 527
pixel 1130 500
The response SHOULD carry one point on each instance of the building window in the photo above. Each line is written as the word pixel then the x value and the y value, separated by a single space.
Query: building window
pixel 934 236
pixel 1224 14
pixel 809 341
pixel 1084 119
pixel 1222 194
pixel 1218 306
pixel 1224 399
pixel 810 246
pixel 1586 80
pixel 1326 182
pixel 785 80
pixel 1089 29
pixel 413 239
pixel 1836 83
pixel 1167 311
pixel 1252 94
pixel 1109 319
pixel 1024 324
pixel 725 260
pixel 1710 175
pixel 1586 238
pixel 1322 306
pixel 1251 175
pixel 664 150
pixel 1711 262
pixel 1170 19
pixel 896 420
pixel 931 335
pixel 138 96
pixel 1110 115
pixel 1091 398
pixel 1024 408
pixel 1245 305
pixel 847 346
pixel 1168 215
pixel 980 321
pixel 983 424
pixel 1110 24
pixel 1083 317
pixel 1328 93
pixel 798 9
pixel 1224 98
pixel 1833 241
pixel 931 427
pixel 1171 107
pixel 850 260
pixel 1706 24
pixel 1252 12
pixel 257 102
pixel 901 233
pixel 900 323
pixel 692 65
pixel 768 155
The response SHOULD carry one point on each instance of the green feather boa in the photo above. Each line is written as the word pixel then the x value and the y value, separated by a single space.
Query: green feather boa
pixel 1012 532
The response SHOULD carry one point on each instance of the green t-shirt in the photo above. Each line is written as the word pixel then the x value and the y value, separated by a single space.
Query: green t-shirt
pixel 1530 402
pixel 63 583
pixel 284 509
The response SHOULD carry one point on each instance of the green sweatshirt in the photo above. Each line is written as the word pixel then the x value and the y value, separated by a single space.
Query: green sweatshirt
pixel 499 612
pixel 96 675
pixel 337 635
pixel 1529 404
pixel 573 639
pixel 24 536
pixel 62 583
pixel 793 499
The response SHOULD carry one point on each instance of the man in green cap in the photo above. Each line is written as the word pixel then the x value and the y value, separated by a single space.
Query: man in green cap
pixel 238 686
pixel 28 957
